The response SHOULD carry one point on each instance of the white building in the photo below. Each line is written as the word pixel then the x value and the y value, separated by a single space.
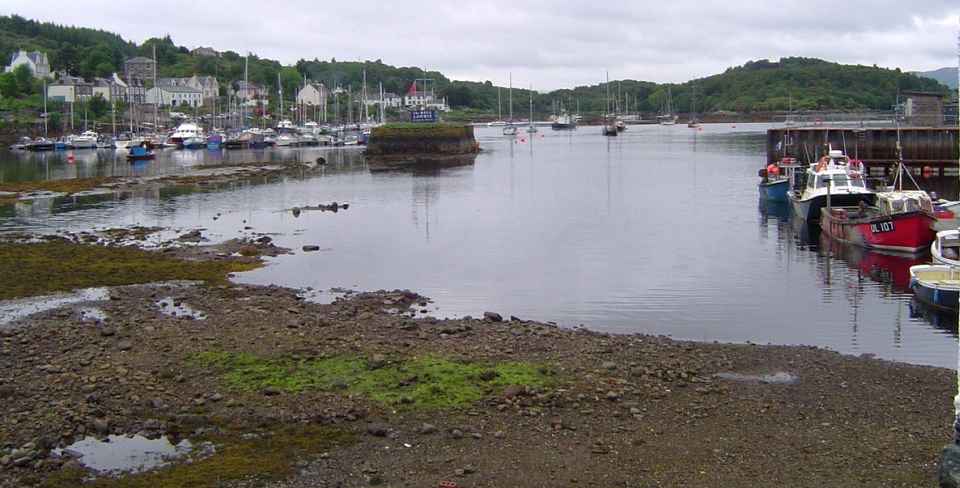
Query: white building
pixel 389 100
pixel 424 99
pixel 37 62
pixel 206 85
pixel 174 96
pixel 313 94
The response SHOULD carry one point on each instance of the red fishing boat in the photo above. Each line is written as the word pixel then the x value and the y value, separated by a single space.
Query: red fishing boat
pixel 900 220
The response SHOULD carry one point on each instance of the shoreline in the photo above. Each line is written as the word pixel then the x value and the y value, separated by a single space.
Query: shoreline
pixel 488 401
pixel 592 409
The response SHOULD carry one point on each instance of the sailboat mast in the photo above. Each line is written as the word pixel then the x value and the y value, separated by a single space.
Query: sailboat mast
pixel 510 94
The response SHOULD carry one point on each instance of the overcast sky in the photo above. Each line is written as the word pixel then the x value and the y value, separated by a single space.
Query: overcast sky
pixel 546 44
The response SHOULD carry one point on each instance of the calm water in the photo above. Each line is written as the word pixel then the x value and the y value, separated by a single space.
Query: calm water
pixel 658 231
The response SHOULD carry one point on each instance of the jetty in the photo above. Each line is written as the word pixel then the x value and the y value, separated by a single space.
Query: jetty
pixel 928 150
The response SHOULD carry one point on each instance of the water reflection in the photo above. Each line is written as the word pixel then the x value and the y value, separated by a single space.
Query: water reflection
pixel 940 319
pixel 19 166
pixel 646 233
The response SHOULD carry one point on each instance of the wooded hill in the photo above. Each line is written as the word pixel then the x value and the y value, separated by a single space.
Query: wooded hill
pixel 757 86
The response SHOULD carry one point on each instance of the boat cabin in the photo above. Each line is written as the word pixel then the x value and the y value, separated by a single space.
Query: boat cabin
pixel 897 202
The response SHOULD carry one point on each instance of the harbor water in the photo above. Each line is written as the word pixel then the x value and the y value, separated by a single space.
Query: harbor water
pixel 658 230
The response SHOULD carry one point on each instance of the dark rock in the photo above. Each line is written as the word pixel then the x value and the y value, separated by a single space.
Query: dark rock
pixel 948 471
pixel 512 391
pixel 489 375
pixel 493 316
pixel 376 430
pixel 108 331
pixel 193 420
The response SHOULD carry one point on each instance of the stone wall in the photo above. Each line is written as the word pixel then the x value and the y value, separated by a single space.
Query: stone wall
pixel 421 139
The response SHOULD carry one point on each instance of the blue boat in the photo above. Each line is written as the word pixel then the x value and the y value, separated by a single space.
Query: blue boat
pixel 774 189
pixel 214 141
pixel 936 285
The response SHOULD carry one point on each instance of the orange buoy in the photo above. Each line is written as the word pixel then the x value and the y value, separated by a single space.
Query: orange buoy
pixel 926 172
pixel 70 157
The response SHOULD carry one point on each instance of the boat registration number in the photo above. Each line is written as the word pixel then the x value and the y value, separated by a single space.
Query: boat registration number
pixel 883 226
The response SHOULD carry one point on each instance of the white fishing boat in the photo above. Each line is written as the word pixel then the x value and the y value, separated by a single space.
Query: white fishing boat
pixel 834 178
pixel 187 131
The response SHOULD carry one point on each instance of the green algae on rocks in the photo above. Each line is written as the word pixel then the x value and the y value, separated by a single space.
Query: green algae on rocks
pixel 28 269
pixel 427 381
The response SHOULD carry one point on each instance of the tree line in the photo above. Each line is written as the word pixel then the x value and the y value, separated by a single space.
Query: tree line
pixel 800 84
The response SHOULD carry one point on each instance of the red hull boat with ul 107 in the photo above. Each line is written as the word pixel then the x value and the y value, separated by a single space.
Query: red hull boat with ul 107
pixel 901 220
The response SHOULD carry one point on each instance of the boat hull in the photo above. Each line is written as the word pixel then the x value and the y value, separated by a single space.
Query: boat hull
pixel 936 285
pixel 774 190
pixel 904 232
pixel 810 208
pixel 945 248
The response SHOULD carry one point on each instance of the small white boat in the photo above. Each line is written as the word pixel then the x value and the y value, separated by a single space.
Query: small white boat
pixel 936 285
pixel 86 140
pixel 945 248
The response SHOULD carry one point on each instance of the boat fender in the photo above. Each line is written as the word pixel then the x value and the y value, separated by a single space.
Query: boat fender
pixel 821 163
pixel 927 171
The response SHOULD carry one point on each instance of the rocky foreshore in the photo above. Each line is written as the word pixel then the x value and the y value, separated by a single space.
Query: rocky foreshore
pixel 591 409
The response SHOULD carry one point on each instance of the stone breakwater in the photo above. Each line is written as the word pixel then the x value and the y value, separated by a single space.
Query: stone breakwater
pixel 421 139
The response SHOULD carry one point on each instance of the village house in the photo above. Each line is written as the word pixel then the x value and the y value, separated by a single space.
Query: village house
pixel 37 61
pixel 112 89
pixel 424 99
pixel 313 94
pixel 139 67
pixel 389 100
pixel 206 85
pixel 70 89
pixel 204 51
pixel 174 96
pixel 250 91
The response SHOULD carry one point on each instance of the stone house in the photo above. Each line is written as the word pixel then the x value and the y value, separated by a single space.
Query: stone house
pixel 139 67
pixel 70 89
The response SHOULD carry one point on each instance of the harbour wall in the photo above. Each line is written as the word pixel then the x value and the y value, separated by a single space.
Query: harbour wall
pixel 928 151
